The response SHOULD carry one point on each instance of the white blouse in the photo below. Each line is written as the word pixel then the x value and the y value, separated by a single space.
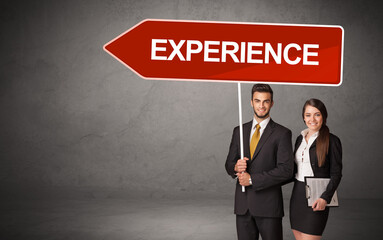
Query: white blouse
pixel 302 157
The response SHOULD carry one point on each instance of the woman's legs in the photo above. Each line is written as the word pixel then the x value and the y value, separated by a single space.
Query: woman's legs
pixel 303 236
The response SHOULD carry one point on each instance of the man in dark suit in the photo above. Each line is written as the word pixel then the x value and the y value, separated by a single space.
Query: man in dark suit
pixel 268 162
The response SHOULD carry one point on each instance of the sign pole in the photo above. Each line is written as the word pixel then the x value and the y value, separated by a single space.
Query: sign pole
pixel 240 123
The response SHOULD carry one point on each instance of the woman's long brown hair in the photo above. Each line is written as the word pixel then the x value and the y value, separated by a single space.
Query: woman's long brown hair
pixel 322 141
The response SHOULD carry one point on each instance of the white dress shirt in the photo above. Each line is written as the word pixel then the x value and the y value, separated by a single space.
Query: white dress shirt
pixel 302 157
pixel 263 125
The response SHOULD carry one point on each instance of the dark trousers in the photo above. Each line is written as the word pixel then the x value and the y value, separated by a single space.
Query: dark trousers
pixel 250 227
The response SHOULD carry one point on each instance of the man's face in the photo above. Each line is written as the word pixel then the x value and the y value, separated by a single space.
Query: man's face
pixel 261 104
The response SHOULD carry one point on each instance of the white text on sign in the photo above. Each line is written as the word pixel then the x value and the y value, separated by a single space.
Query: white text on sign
pixel 249 52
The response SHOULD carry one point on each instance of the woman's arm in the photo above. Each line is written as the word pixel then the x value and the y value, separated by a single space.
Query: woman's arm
pixel 335 161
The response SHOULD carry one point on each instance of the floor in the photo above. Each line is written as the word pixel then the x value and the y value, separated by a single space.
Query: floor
pixel 100 215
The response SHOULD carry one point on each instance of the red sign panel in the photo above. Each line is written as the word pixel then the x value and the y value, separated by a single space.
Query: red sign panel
pixel 233 52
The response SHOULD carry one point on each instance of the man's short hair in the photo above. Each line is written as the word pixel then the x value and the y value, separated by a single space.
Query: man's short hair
pixel 260 87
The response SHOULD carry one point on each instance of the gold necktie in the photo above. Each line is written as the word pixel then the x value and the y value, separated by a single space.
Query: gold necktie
pixel 254 140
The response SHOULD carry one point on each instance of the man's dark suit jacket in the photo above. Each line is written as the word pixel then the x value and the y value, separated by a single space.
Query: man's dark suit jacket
pixel 272 165
pixel 333 164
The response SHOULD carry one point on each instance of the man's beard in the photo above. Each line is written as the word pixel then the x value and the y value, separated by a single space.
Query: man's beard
pixel 262 117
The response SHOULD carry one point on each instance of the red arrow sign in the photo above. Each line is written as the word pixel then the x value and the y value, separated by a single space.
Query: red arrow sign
pixel 228 51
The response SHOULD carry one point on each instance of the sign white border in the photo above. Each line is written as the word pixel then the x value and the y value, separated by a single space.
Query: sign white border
pixel 231 81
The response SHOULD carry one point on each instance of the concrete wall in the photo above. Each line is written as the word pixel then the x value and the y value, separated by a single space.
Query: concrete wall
pixel 72 116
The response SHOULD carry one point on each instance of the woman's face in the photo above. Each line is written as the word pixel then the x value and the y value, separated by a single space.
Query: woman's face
pixel 313 118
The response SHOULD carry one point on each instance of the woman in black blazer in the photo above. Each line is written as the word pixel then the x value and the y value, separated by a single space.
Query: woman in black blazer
pixel 318 153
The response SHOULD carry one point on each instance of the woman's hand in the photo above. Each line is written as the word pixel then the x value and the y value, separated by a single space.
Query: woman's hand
pixel 319 205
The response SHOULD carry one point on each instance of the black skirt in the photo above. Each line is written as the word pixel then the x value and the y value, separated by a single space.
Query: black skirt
pixel 302 217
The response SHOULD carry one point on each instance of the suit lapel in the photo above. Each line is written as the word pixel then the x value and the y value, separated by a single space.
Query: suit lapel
pixel 265 135
pixel 313 144
pixel 246 140
pixel 298 143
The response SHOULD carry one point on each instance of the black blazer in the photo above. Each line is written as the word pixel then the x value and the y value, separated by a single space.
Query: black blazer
pixel 331 169
pixel 272 164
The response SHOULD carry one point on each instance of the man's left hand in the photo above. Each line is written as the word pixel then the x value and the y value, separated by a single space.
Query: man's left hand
pixel 244 179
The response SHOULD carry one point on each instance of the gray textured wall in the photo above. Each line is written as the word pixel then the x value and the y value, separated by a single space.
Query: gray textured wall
pixel 72 116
